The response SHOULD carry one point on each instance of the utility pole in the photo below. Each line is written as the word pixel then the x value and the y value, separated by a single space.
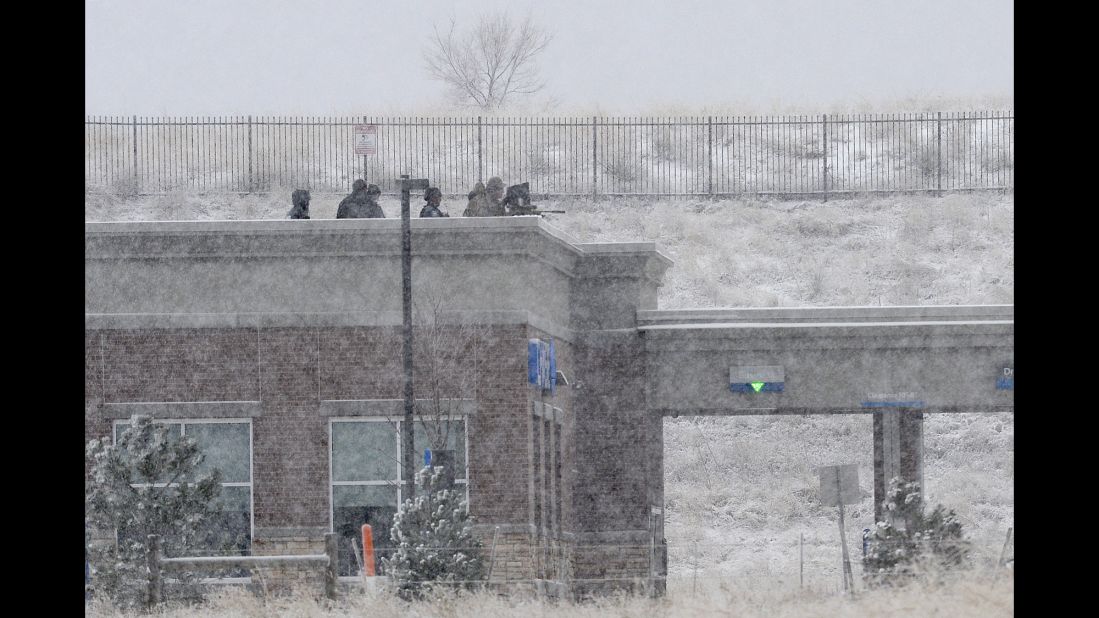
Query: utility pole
pixel 408 466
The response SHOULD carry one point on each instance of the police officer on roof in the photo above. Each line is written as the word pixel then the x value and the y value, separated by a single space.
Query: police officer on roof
pixel 494 191
pixel 433 196
pixel 362 203
pixel 300 199
pixel 478 202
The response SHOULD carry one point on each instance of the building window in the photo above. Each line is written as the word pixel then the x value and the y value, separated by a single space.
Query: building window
pixel 226 446
pixel 366 481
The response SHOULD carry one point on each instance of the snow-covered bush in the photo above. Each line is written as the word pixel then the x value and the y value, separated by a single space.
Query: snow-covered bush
pixel 146 483
pixel 433 539
pixel 911 540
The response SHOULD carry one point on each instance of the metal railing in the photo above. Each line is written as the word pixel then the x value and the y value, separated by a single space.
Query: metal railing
pixel 156 564
pixel 672 156
pixel 525 565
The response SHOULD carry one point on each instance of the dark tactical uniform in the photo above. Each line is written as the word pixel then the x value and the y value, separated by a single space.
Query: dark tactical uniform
pixel 361 204
pixel 518 200
pixel 373 210
pixel 300 199
pixel 478 202
pixel 494 196
pixel 433 196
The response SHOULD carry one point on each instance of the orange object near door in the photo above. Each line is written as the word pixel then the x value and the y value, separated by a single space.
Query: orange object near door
pixel 368 550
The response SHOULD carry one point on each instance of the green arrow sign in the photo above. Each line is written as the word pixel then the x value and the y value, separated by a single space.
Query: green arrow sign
pixel 757 385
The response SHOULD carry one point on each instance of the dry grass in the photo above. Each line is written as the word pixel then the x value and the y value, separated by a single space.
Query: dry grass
pixel 970 596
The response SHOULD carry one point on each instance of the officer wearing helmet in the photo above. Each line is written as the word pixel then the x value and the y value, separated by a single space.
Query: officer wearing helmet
pixel 300 199
pixel 362 203
pixel 433 196
pixel 494 192
pixel 478 202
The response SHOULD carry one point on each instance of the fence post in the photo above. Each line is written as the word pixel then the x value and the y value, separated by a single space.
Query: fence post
pixel 492 554
pixel 480 155
pixel 824 124
pixel 939 153
pixel 251 185
pixel 152 564
pixel 594 166
pixel 694 571
pixel 1003 552
pixel 330 570
pixel 801 560
pixel 136 187
pixel 710 154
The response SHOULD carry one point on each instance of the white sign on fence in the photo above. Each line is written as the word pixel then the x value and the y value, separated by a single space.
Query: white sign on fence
pixel 366 139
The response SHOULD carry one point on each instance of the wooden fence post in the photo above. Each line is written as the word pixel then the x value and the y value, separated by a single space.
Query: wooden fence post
pixel 492 554
pixel 152 563
pixel 1003 552
pixel 330 571
pixel 801 560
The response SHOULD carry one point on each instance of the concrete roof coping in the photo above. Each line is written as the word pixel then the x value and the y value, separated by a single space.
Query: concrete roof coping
pixel 325 225
pixel 624 248
pixel 732 317
pixel 386 225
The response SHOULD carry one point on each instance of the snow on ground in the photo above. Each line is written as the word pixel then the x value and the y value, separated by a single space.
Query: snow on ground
pixel 740 491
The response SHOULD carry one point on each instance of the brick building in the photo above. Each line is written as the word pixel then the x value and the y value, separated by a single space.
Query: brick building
pixel 276 344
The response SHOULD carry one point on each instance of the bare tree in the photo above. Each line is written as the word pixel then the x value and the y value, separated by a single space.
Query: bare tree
pixel 447 351
pixel 490 63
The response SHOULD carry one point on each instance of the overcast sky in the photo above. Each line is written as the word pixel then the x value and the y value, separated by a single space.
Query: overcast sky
pixel 197 57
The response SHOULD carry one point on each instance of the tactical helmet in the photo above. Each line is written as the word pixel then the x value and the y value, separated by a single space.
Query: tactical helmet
pixel 432 191
pixel 373 190
pixel 359 185
pixel 495 183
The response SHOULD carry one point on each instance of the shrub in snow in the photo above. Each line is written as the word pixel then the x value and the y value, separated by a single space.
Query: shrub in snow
pixel 433 539
pixel 145 484
pixel 911 540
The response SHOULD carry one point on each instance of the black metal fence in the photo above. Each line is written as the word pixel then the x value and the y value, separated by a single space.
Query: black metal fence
pixel 687 156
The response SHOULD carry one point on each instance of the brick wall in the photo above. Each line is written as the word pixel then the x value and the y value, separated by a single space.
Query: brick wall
pixel 289 579
pixel 616 441
pixel 180 365
pixel 291 370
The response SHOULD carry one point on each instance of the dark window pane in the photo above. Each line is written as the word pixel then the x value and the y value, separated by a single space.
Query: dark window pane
pixel 229 529
pixel 235 499
pixel 365 495
pixel 456 441
pixel 364 451
pixel 226 446
pixel 358 505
